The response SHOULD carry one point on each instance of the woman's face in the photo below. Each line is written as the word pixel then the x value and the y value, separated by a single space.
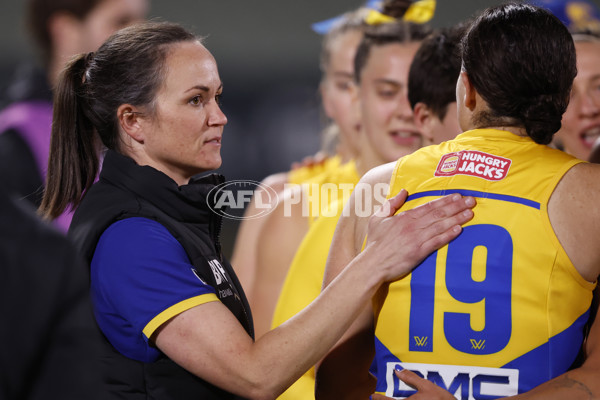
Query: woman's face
pixel 581 121
pixel 386 115
pixel 337 86
pixel 183 136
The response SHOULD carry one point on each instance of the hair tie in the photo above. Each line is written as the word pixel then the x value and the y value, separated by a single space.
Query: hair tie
pixel 87 60
pixel 419 12
pixel 375 17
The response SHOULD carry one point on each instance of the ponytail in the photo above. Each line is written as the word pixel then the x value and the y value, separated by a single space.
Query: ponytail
pixel 89 93
pixel 73 160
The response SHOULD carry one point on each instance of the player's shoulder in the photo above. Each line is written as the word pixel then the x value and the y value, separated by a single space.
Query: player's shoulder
pixel 380 174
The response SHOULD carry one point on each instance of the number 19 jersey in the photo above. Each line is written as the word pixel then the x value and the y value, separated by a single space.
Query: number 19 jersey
pixel 501 309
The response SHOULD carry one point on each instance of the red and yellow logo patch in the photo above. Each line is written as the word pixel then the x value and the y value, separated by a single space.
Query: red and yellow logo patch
pixel 473 163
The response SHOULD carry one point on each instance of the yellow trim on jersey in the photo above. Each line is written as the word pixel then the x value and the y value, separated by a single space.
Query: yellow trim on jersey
pixel 177 309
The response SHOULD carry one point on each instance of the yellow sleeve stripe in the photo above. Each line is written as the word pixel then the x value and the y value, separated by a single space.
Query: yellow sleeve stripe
pixel 177 309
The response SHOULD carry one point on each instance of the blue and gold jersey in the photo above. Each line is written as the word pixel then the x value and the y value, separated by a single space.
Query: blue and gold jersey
pixel 501 309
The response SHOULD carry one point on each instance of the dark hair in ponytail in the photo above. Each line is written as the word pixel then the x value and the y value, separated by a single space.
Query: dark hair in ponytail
pixel 127 69
pixel 399 31
pixel 521 60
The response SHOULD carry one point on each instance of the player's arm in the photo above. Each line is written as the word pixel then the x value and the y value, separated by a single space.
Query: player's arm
pixel 279 238
pixel 243 258
pixel 354 353
pixel 208 341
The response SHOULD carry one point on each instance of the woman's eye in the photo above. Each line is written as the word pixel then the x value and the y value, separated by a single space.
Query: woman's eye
pixel 196 100
pixel 343 85
pixel 219 99
pixel 387 93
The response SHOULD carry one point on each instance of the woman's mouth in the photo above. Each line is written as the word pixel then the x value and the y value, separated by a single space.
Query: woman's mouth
pixel 589 136
pixel 214 141
pixel 406 138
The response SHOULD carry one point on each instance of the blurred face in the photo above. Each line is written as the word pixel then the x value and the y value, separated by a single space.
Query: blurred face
pixel 337 86
pixel 386 115
pixel 183 137
pixel 581 121
pixel 438 131
pixel 108 17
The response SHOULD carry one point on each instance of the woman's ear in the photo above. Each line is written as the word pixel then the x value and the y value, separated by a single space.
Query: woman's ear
pixel 423 120
pixel 130 121
pixel 470 100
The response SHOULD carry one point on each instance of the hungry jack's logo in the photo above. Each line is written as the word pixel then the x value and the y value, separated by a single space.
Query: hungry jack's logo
pixel 473 163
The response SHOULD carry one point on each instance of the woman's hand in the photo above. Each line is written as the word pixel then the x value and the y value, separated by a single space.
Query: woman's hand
pixel 426 390
pixel 400 242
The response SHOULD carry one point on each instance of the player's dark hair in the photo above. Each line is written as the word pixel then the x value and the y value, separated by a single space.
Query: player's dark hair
pixel 435 69
pixel 521 60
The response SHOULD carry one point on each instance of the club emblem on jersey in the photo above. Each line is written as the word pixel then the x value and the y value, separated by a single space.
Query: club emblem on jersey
pixel 420 341
pixel 478 344
pixel 473 163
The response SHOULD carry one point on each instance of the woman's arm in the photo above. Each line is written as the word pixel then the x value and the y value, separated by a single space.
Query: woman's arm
pixel 208 340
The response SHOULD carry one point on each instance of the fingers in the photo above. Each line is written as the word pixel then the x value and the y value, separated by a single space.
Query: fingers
pixel 444 206
pixel 445 225
pixel 410 378
pixel 392 205
pixel 442 218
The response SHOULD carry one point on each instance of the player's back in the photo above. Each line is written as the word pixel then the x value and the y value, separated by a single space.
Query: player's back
pixel 501 308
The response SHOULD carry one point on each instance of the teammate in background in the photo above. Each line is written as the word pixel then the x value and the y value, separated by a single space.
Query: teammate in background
pixel 432 84
pixel 513 292
pixel 337 56
pixel 61 29
pixel 581 122
pixel 437 60
pixel 337 53
pixel 387 131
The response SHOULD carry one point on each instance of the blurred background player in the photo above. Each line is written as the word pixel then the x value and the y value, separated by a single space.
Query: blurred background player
pixel 387 131
pixel 437 59
pixel 581 122
pixel 432 84
pixel 341 37
pixel 61 29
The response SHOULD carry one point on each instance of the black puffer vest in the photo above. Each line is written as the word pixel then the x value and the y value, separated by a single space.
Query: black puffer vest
pixel 127 190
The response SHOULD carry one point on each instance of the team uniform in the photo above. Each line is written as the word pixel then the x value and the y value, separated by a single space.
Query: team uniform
pixel 501 309
pixel 330 186
pixel 308 172
pixel 154 252
pixel 305 275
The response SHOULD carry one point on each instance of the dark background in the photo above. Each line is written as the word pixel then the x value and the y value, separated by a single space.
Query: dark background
pixel 268 60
